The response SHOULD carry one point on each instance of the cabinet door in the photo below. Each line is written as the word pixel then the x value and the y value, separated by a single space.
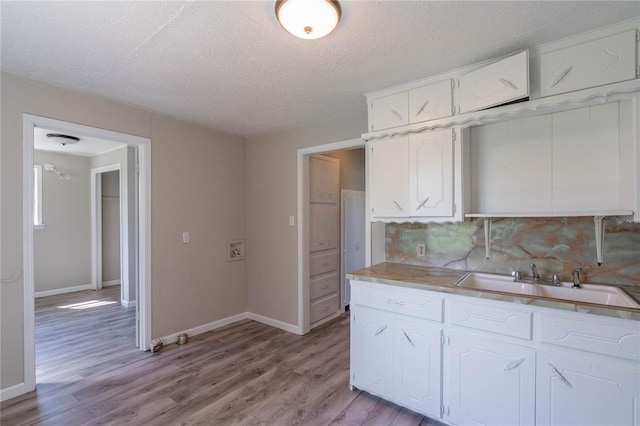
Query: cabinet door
pixel 603 61
pixel 431 174
pixel 417 363
pixel 431 102
pixel 489 382
pixel 324 224
pixel 389 111
pixel 324 179
pixel 389 177
pixel 574 391
pixel 495 84
pixel 372 351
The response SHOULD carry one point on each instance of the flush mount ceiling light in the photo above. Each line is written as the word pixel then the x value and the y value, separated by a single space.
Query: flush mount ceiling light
pixel 63 139
pixel 309 19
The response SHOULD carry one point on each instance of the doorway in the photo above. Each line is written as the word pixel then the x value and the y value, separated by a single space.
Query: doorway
pixel 304 220
pixel 141 254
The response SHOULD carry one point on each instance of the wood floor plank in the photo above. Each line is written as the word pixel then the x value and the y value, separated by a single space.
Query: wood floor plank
pixel 246 373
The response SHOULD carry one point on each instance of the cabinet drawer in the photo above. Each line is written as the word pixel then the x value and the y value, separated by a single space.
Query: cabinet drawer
pixel 323 262
pixel 323 308
pixel 402 301
pixel 510 322
pixel 323 285
pixel 593 336
pixel 604 61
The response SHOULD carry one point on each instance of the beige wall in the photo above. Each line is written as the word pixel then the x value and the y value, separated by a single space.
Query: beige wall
pixel 111 226
pixel 271 198
pixel 62 250
pixel 198 182
pixel 352 168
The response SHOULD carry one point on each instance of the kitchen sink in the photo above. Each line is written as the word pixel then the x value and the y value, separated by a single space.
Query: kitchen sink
pixel 589 293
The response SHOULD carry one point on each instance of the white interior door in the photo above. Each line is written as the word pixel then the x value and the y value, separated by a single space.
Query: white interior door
pixel 353 236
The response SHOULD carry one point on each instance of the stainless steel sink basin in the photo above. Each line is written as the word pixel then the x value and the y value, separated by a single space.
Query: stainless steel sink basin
pixel 589 293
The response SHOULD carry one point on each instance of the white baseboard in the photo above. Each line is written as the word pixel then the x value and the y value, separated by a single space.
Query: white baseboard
pixel 62 290
pixel 112 282
pixel 172 338
pixel 128 303
pixel 274 323
pixel 13 391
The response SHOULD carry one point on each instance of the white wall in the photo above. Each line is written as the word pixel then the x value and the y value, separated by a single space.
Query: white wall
pixel 271 198
pixel 198 185
pixel 62 250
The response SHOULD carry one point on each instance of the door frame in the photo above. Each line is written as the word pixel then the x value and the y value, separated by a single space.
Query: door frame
pixel 303 155
pixel 343 239
pixel 29 122
pixel 96 229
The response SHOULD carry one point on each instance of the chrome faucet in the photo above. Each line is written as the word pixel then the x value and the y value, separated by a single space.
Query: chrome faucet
pixel 535 276
pixel 576 277
pixel 516 276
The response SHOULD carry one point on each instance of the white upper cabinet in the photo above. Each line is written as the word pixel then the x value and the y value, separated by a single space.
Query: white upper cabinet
pixel 389 177
pixel 603 61
pixel 414 106
pixel 431 174
pixel 431 102
pixel 389 111
pixel 413 176
pixel 503 81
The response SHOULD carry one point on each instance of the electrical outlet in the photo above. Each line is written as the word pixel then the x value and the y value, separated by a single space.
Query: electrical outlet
pixel 421 250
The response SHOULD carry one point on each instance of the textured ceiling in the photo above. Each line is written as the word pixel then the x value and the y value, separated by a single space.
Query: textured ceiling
pixel 85 147
pixel 229 65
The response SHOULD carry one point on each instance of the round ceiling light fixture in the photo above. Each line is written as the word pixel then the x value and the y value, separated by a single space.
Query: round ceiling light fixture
pixel 308 19
pixel 63 139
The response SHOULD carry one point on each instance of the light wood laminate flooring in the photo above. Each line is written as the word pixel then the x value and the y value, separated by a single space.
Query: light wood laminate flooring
pixel 247 373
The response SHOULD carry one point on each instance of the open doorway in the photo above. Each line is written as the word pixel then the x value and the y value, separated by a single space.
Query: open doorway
pixel 352 159
pixel 133 231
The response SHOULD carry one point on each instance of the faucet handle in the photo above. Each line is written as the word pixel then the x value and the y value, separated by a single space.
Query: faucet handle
pixel 517 275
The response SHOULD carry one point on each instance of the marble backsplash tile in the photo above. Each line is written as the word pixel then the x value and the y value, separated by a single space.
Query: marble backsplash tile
pixel 555 245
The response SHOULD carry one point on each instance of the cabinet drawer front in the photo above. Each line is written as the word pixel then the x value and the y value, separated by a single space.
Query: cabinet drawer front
pixel 323 308
pixel 323 262
pixel 593 336
pixel 509 322
pixel 604 61
pixel 324 284
pixel 401 301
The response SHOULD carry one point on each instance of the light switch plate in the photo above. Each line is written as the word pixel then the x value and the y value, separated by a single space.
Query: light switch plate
pixel 185 238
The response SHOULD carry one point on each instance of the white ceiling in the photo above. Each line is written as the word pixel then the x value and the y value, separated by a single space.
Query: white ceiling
pixel 229 65
pixel 86 147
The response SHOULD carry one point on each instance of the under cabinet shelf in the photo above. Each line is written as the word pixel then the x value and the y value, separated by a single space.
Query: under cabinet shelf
pixel 598 222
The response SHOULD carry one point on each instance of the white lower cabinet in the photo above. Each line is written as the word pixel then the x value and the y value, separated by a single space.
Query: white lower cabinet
pixel 446 356
pixel 578 391
pixel 417 354
pixel 372 351
pixel 489 382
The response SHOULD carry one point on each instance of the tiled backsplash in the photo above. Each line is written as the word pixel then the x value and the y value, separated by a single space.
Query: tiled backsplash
pixel 555 245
